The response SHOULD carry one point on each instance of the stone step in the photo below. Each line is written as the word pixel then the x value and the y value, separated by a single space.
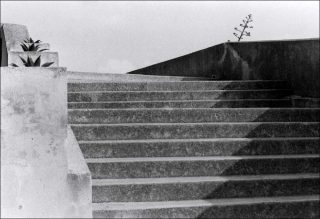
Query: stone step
pixel 98 96
pixel 150 167
pixel 183 104
pixel 189 188
pixel 259 207
pixel 87 116
pixel 178 86
pixel 199 147
pixel 79 77
pixel 194 130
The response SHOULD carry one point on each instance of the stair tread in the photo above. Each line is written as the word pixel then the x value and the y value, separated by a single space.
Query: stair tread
pixel 188 97
pixel 182 82
pixel 183 101
pixel 198 179
pixel 203 158
pixel 204 109
pixel 192 123
pixel 200 203
pixel 198 140
pixel 178 91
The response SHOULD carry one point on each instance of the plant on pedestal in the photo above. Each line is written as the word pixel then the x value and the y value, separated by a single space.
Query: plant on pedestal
pixel 30 63
pixel 29 45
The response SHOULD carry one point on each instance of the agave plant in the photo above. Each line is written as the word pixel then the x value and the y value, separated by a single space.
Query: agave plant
pixel 30 63
pixel 244 26
pixel 30 45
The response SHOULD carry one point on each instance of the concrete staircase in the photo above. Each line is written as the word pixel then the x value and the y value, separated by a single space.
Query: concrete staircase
pixel 197 149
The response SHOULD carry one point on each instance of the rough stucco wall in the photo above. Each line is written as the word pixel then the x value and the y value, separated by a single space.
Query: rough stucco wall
pixel 79 179
pixel 296 61
pixel 33 134
pixel 203 63
pixel 14 34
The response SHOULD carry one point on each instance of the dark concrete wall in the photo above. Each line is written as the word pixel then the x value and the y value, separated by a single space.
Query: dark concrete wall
pixel 296 61
pixel 198 64
pixel 4 53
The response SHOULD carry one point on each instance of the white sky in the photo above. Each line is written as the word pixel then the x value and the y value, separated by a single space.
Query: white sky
pixel 117 37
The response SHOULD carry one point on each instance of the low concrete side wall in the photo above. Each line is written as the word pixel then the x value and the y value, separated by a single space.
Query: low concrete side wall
pixel 79 179
pixel 296 61
pixel 34 165
pixel 203 63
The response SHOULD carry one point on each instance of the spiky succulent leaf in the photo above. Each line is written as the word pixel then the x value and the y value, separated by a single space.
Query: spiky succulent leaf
pixel 36 47
pixel 47 64
pixel 37 62
pixel 14 65
pixel 24 47
pixel 31 48
pixel 38 41
pixel 30 62
pixel 24 61
pixel 41 50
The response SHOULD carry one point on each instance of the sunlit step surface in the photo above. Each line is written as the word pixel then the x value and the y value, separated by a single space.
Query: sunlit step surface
pixel 262 207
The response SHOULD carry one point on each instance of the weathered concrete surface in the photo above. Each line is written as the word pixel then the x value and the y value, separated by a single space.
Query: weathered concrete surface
pixel 136 131
pixel 12 35
pixel 204 187
pixel 34 164
pixel 202 63
pixel 152 167
pixel 266 207
pixel 199 147
pixel 305 102
pixel 176 95
pixel 79 179
pixel 118 116
pixel 233 162
pixel 176 86
pixel 14 57
pixel 183 104
pixel 296 61
pixel 111 77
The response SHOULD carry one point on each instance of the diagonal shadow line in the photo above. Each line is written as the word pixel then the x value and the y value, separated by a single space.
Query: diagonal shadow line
pixel 304 187
pixel 226 189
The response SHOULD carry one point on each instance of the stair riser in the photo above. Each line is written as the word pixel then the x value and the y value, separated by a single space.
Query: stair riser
pixel 175 86
pixel 199 148
pixel 193 115
pixel 189 104
pixel 187 131
pixel 204 190
pixel 145 169
pixel 263 210
pixel 206 95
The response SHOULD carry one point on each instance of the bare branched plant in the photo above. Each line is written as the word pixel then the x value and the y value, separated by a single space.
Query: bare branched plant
pixel 244 26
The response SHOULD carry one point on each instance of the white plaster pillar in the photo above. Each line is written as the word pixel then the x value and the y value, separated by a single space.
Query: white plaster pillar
pixel 33 134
